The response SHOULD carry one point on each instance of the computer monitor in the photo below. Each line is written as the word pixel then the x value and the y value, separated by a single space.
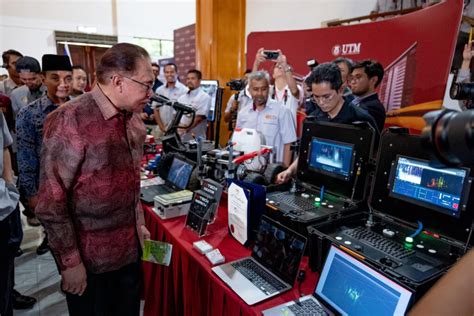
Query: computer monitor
pixel 179 173
pixel 353 288
pixel 211 87
pixel 331 158
pixel 440 189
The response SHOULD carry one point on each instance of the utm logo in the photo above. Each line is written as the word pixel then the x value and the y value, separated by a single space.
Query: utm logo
pixel 346 49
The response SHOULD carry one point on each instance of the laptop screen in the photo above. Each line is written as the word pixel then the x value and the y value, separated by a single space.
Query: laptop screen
pixel 179 173
pixel 438 189
pixel 279 249
pixel 331 158
pixel 353 288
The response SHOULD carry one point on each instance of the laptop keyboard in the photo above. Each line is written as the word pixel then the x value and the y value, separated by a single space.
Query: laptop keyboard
pixel 258 276
pixel 379 242
pixel 293 201
pixel 307 307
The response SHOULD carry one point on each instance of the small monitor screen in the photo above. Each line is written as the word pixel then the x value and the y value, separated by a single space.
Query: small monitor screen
pixel 439 189
pixel 179 173
pixel 210 87
pixel 279 248
pixel 353 288
pixel 331 157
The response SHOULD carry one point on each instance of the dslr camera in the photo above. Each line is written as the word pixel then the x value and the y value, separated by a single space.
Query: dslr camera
pixel 236 84
pixel 462 91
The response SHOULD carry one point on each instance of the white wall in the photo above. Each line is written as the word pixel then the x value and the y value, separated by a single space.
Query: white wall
pixel 279 15
pixel 28 25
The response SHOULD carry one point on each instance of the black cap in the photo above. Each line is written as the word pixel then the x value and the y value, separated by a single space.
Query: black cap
pixel 28 64
pixel 56 62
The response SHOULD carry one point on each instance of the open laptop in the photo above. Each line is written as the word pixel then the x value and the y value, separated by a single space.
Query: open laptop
pixel 272 267
pixel 177 180
pixel 348 287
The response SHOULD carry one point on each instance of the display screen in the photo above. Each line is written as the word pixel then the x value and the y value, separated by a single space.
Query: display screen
pixel 331 157
pixel 210 87
pixel 353 288
pixel 179 173
pixel 279 248
pixel 439 189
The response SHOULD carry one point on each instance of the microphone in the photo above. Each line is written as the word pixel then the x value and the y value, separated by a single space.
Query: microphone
pixel 162 100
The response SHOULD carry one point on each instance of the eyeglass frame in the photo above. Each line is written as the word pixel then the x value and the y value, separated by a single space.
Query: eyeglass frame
pixel 324 98
pixel 147 86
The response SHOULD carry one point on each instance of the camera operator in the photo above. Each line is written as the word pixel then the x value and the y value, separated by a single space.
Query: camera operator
pixel 285 90
pixel 238 100
pixel 464 74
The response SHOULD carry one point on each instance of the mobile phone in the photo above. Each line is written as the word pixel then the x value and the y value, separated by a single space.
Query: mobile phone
pixel 271 54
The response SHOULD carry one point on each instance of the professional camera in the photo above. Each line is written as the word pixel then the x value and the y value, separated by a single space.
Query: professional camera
pixel 236 84
pixel 312 63
pixel 449 135
pixel 462 91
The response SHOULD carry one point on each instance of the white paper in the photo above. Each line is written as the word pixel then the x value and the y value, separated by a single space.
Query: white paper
pixel 237 208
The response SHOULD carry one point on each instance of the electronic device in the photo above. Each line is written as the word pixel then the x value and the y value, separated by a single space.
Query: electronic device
pixel 202 246
pixel 272 267
pixel 215 257
pixel 347 286
pixel 331 177
pixel 271 54
pixel 173 204
pixel 211 87
pixel 421 216
pixel 202 205
pixel 177 179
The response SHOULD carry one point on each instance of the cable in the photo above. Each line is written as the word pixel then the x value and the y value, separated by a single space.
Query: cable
pixel 418 231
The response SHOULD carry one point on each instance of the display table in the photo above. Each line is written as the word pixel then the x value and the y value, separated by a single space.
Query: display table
pixel 188 286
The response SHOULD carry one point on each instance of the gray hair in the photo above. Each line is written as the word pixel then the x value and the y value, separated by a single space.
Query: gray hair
pixel 259 75
pixel 349 62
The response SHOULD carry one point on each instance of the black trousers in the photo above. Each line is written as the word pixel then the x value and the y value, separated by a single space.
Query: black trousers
pixel 10 239
pixel 110 293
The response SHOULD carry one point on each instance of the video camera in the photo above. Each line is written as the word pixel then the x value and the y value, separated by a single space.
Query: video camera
pixel 236 84
pixel 462 91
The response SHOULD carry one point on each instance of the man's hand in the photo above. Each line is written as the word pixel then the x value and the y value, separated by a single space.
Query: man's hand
pixel 144 116
pixel 74 280
pixel 281 60
pixel 33 201
pixel 259 58
pixel 283 176
pixel 467 52
pixel 145 232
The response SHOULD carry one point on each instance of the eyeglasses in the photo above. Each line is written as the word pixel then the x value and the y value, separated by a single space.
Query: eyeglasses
pixel 355 78
pixel 324 98
pixel 148 86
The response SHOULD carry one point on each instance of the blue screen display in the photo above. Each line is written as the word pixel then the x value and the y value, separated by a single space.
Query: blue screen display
pixel 331 157
pixel 439 189
pixel 179 173
pixel 353 288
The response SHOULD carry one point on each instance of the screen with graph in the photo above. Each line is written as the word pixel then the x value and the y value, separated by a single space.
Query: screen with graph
pixel 353 288
pixel 440 189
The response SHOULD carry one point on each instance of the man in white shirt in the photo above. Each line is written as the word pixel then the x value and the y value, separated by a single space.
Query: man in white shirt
pixel 172 89
pixel 268 117
pixel 200 101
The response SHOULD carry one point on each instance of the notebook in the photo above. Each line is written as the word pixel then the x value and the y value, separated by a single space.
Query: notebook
pixel 271 269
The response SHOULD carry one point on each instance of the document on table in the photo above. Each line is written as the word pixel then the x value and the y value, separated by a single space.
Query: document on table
pixel 238 211
pixel 157 252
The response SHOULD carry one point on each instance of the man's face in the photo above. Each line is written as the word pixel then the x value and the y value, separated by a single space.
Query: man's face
pixel 326 97
pixel 259 91
pixel 360 83
pixel 11 66
pixel 192 81
pixel 58 83
pixel 32 80
pixel 156 71
pixel 79 80
pixel 136 90
pixel 170 74
pixel 344 71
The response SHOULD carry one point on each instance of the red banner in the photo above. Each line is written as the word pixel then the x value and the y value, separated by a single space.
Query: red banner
pixel 415 49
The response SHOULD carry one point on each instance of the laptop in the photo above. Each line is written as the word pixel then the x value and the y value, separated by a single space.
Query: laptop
pixel 272 267
pixel 177 180
pixel 348 287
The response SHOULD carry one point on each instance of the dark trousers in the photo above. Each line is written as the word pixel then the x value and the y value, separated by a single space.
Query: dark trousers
pixel 110 293
pixel 10 239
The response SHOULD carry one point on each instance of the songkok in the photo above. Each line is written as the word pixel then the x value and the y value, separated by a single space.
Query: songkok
pixel 56 62
pixel 28 64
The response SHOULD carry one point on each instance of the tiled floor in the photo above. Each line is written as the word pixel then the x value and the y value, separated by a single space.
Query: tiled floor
pixel 38 276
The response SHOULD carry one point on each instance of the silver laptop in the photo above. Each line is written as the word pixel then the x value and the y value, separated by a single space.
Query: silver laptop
pixel 272 268
pixel 348 287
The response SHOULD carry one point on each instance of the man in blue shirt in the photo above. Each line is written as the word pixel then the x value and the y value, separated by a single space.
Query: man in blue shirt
pixel 57 77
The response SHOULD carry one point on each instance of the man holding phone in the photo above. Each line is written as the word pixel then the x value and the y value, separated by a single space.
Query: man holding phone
pixel 285 91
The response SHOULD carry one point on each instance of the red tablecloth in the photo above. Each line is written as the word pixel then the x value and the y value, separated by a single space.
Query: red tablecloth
pixel 188 286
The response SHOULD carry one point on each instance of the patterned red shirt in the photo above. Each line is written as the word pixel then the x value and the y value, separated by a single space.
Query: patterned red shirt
pixel 90 183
